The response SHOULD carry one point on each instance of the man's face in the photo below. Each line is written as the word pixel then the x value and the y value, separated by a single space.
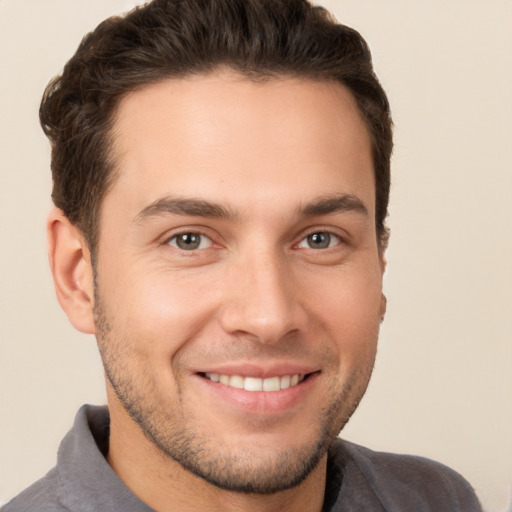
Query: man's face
pixel 239 274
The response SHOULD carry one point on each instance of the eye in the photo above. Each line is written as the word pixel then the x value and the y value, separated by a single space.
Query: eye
pixel 319 240
pixel 190 241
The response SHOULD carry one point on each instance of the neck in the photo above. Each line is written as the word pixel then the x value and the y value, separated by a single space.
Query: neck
pixel 166 486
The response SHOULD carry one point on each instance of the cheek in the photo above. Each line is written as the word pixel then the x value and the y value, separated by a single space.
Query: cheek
pixel 162 310
pixel 347 305
pixel 350 296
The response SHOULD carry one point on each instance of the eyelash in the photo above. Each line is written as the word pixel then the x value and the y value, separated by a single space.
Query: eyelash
pixel 176 237
pixel 325 232
pixel 173 241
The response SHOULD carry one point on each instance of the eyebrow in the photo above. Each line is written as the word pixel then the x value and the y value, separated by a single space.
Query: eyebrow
pixel 202 208
pixel 181 206
pixel 336 204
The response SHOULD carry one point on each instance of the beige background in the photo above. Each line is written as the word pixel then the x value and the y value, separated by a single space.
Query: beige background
pixel 443 382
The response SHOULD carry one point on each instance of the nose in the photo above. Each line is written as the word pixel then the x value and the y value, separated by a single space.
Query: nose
pixel 262 299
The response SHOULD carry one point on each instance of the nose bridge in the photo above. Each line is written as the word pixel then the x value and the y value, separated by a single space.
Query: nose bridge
pixel 262 300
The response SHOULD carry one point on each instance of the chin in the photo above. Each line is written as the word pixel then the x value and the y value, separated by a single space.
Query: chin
pixel 252 471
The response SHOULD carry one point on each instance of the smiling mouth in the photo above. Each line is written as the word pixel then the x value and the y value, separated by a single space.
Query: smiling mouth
pixel 255 383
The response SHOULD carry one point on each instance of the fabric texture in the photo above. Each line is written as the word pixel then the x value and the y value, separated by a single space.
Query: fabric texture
pixel 358 479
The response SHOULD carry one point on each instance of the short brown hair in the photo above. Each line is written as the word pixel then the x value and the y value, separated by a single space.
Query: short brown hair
pixel 178 38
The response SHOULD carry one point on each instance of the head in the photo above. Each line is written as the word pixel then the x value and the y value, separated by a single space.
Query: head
pixel 175 39
pixel 222 174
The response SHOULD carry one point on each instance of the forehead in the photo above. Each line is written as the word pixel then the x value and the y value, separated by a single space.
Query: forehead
pixel 220 133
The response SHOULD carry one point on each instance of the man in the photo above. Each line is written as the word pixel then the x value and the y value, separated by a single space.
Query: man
pixel 221 180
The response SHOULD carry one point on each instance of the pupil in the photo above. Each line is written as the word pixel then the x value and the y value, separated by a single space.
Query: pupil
pixel 319 240
pixel 188 241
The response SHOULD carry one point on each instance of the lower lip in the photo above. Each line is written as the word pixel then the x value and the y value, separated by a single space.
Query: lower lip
pixel 260 402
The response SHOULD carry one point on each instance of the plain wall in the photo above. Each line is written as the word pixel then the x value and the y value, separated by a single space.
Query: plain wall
pixel 443 381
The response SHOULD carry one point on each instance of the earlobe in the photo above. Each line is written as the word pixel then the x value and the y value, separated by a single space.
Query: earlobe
pixel 70 263
pixel 383 307
pixel 383 262
pixel 383 298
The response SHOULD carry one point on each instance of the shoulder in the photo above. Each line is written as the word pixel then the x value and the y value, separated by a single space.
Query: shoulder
pixel 406 480
pixel 39 497
pixel 409 468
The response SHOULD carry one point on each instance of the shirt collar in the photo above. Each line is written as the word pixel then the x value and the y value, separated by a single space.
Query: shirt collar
pixel 86 482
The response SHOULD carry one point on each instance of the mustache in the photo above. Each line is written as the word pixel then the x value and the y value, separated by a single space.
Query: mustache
pixel 247 348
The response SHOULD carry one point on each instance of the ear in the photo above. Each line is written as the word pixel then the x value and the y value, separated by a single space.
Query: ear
pixel 383 298
pixel 70 263
pixel 383 306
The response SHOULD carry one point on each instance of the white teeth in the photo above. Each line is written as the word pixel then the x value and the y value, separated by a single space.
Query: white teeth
pixel 285 382
pixel 272 384
pixel 255 383
pixel 235 381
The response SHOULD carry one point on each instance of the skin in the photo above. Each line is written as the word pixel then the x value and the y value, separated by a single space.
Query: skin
pixel 252 169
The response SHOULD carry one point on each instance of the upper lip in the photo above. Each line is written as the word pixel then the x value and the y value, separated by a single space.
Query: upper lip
pixel 259 370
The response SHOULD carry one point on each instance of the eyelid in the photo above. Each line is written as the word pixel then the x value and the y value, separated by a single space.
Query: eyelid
pixel 202 231
pixel 202 236
pixel 333 238
pixel 339 233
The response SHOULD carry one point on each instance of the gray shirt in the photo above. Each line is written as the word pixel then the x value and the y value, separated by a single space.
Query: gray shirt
pixel 358 479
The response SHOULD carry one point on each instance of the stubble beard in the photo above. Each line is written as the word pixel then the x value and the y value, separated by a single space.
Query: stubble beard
pixel 199 454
